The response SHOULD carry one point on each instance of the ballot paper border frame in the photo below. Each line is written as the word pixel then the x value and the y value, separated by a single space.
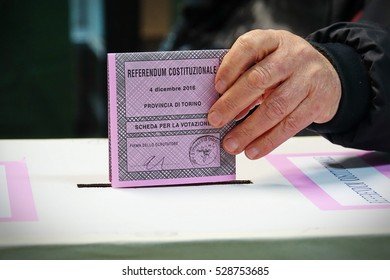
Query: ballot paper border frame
pixel 119 176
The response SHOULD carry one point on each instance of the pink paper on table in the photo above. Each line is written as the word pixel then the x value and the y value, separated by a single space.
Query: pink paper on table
pixel 338 181
pixel 16 199
pixel 158 128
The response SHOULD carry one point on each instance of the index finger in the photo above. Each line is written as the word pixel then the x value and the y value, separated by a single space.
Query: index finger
pixel 249 49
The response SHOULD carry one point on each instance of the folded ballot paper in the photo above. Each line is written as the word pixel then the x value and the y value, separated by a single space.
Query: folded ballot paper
pixel 158 128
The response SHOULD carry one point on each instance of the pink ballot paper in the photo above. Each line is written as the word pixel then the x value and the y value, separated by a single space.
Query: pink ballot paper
pixel 158 128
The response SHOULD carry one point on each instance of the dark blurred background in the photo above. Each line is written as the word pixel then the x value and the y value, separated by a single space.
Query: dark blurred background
pixel 53 60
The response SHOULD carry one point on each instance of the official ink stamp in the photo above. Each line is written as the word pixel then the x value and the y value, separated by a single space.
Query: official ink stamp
pixel 205 151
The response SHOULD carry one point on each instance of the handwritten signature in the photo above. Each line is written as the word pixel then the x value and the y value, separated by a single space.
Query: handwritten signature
pixel 154 163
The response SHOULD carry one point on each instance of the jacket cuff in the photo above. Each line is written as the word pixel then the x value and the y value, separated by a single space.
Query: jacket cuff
pixel 355 97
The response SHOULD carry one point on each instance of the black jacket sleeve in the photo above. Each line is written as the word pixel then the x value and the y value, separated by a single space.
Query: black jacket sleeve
pixel 360 53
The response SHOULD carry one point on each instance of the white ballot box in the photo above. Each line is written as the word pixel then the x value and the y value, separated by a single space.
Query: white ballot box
pixel 308 199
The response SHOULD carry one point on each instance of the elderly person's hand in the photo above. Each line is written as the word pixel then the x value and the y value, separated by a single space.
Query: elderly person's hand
pixel 294 84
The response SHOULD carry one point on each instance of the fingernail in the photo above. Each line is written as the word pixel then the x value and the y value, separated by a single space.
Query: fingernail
pixel 252 153
pixel 220 86
pixel 231 145
pixel 215 119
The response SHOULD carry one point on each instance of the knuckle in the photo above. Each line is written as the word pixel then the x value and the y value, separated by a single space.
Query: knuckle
pixel 307 51
pixel 246 42
pixel 229 104
pixel 268 145
pixel 304 51
pixel 290 126
pixel 258 77
pixel 275 108
pixel 247 131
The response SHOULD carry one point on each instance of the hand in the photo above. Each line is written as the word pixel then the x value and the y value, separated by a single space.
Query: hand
pixel 294 84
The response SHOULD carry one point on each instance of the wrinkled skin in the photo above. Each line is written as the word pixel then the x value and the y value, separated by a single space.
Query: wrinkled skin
pixel 294 84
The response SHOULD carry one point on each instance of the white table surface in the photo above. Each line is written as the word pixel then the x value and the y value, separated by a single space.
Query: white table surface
pixel 270 208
